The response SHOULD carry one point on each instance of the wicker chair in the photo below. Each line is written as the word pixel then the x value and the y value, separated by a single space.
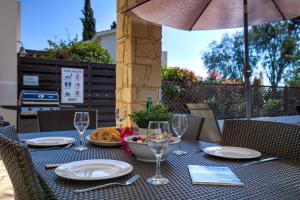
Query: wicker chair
pixel 10 133
pixel 195 124
pixel 62 120
pixel 270 138
pixel 19 166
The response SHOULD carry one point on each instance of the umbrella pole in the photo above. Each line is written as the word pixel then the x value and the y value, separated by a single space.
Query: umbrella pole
pixel 247 70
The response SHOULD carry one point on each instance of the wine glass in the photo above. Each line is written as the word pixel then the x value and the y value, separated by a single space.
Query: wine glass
pixel 158 138
pixel 180 124
pixel 81 122
pixel 120 115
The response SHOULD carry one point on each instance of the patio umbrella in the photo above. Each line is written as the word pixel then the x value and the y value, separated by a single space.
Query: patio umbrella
pixel 217 14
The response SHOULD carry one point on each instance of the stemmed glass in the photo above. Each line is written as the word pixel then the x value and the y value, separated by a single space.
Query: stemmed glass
pixel 158 138
pixel 120 115
pixel 180 124
pixel 81 122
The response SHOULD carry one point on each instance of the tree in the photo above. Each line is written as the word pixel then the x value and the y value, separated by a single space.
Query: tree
pixel 275 47
pixel 113 25
pixel 294 80
pixel 227 56
pixel 88 21
pixel 276 44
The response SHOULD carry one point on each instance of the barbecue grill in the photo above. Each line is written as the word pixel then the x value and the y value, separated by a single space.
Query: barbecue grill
pixel 31 101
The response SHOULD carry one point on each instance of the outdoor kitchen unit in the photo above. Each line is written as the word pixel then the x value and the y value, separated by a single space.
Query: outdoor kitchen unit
pixel 31 101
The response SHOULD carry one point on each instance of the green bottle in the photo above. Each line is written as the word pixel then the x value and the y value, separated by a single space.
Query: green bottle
pixel 149 104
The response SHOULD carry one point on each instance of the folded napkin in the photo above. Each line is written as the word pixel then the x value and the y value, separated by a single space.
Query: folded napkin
pixel 213 175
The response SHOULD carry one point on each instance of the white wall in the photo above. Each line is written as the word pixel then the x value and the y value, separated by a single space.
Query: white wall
pixel 164 58
pixel 8 57
pixel 108 42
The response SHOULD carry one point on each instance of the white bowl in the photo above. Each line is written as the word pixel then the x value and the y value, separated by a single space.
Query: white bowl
pixel 143 153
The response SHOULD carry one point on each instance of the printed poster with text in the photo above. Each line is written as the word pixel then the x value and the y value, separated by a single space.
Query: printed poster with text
pixel 72 85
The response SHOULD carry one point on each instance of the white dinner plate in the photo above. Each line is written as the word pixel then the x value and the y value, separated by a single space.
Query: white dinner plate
pixel 50 141
pixel 89 170
pixel 100 143
pixel 232 152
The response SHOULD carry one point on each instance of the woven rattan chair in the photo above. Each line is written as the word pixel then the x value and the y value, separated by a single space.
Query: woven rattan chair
pixel 270 138
pixel 62 120
pixel 20 169
pixel 195 124
pixel 10 132
pixel 210 131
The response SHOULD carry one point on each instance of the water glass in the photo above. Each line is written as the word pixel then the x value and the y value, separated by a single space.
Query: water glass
pixel 81 122
pixel 180 124
pixel 120 115
pixel 158 139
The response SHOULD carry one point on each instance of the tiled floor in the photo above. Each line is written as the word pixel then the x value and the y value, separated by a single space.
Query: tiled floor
pixel 6 191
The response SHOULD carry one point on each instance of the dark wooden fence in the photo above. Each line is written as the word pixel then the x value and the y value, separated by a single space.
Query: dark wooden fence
pixel 99 83
pixel 228 101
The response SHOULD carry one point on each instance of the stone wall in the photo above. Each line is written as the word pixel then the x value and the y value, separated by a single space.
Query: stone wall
pixel 138 59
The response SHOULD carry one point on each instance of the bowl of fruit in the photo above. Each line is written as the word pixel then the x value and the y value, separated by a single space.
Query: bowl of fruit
pixel 139 147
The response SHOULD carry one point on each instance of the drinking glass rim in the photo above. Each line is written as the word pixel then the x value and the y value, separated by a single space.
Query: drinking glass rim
pixel 162 122
pixel 179 114
pixel 81 112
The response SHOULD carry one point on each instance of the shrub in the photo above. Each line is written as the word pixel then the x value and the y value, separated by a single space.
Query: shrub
pixel 81 51
pixel 90 52
pixel 181 77
pixel 171 74
pixel 142 118
pixel 172 91
pixel 274 105
pixel 178 74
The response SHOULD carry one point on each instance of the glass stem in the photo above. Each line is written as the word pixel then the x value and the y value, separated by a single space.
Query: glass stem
pixel 158 158
pixel 81 138
pixel 180 144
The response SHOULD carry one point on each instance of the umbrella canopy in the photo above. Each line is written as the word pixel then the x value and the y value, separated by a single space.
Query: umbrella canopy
pixel 214 14
pixel 217 14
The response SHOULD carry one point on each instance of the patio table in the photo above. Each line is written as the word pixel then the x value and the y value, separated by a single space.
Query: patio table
pixel 271 180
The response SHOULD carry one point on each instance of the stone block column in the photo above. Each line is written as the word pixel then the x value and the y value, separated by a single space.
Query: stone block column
pixel 138 59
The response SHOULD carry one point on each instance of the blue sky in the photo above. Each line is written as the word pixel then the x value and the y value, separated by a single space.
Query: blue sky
pixel 60 19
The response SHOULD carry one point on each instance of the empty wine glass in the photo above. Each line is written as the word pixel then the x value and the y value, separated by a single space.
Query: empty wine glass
pixel 121 115
pixel 158 138
pixel 81 122
pixel 180 124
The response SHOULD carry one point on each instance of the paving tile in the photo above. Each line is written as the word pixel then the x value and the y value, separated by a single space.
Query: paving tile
pixel 6 190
